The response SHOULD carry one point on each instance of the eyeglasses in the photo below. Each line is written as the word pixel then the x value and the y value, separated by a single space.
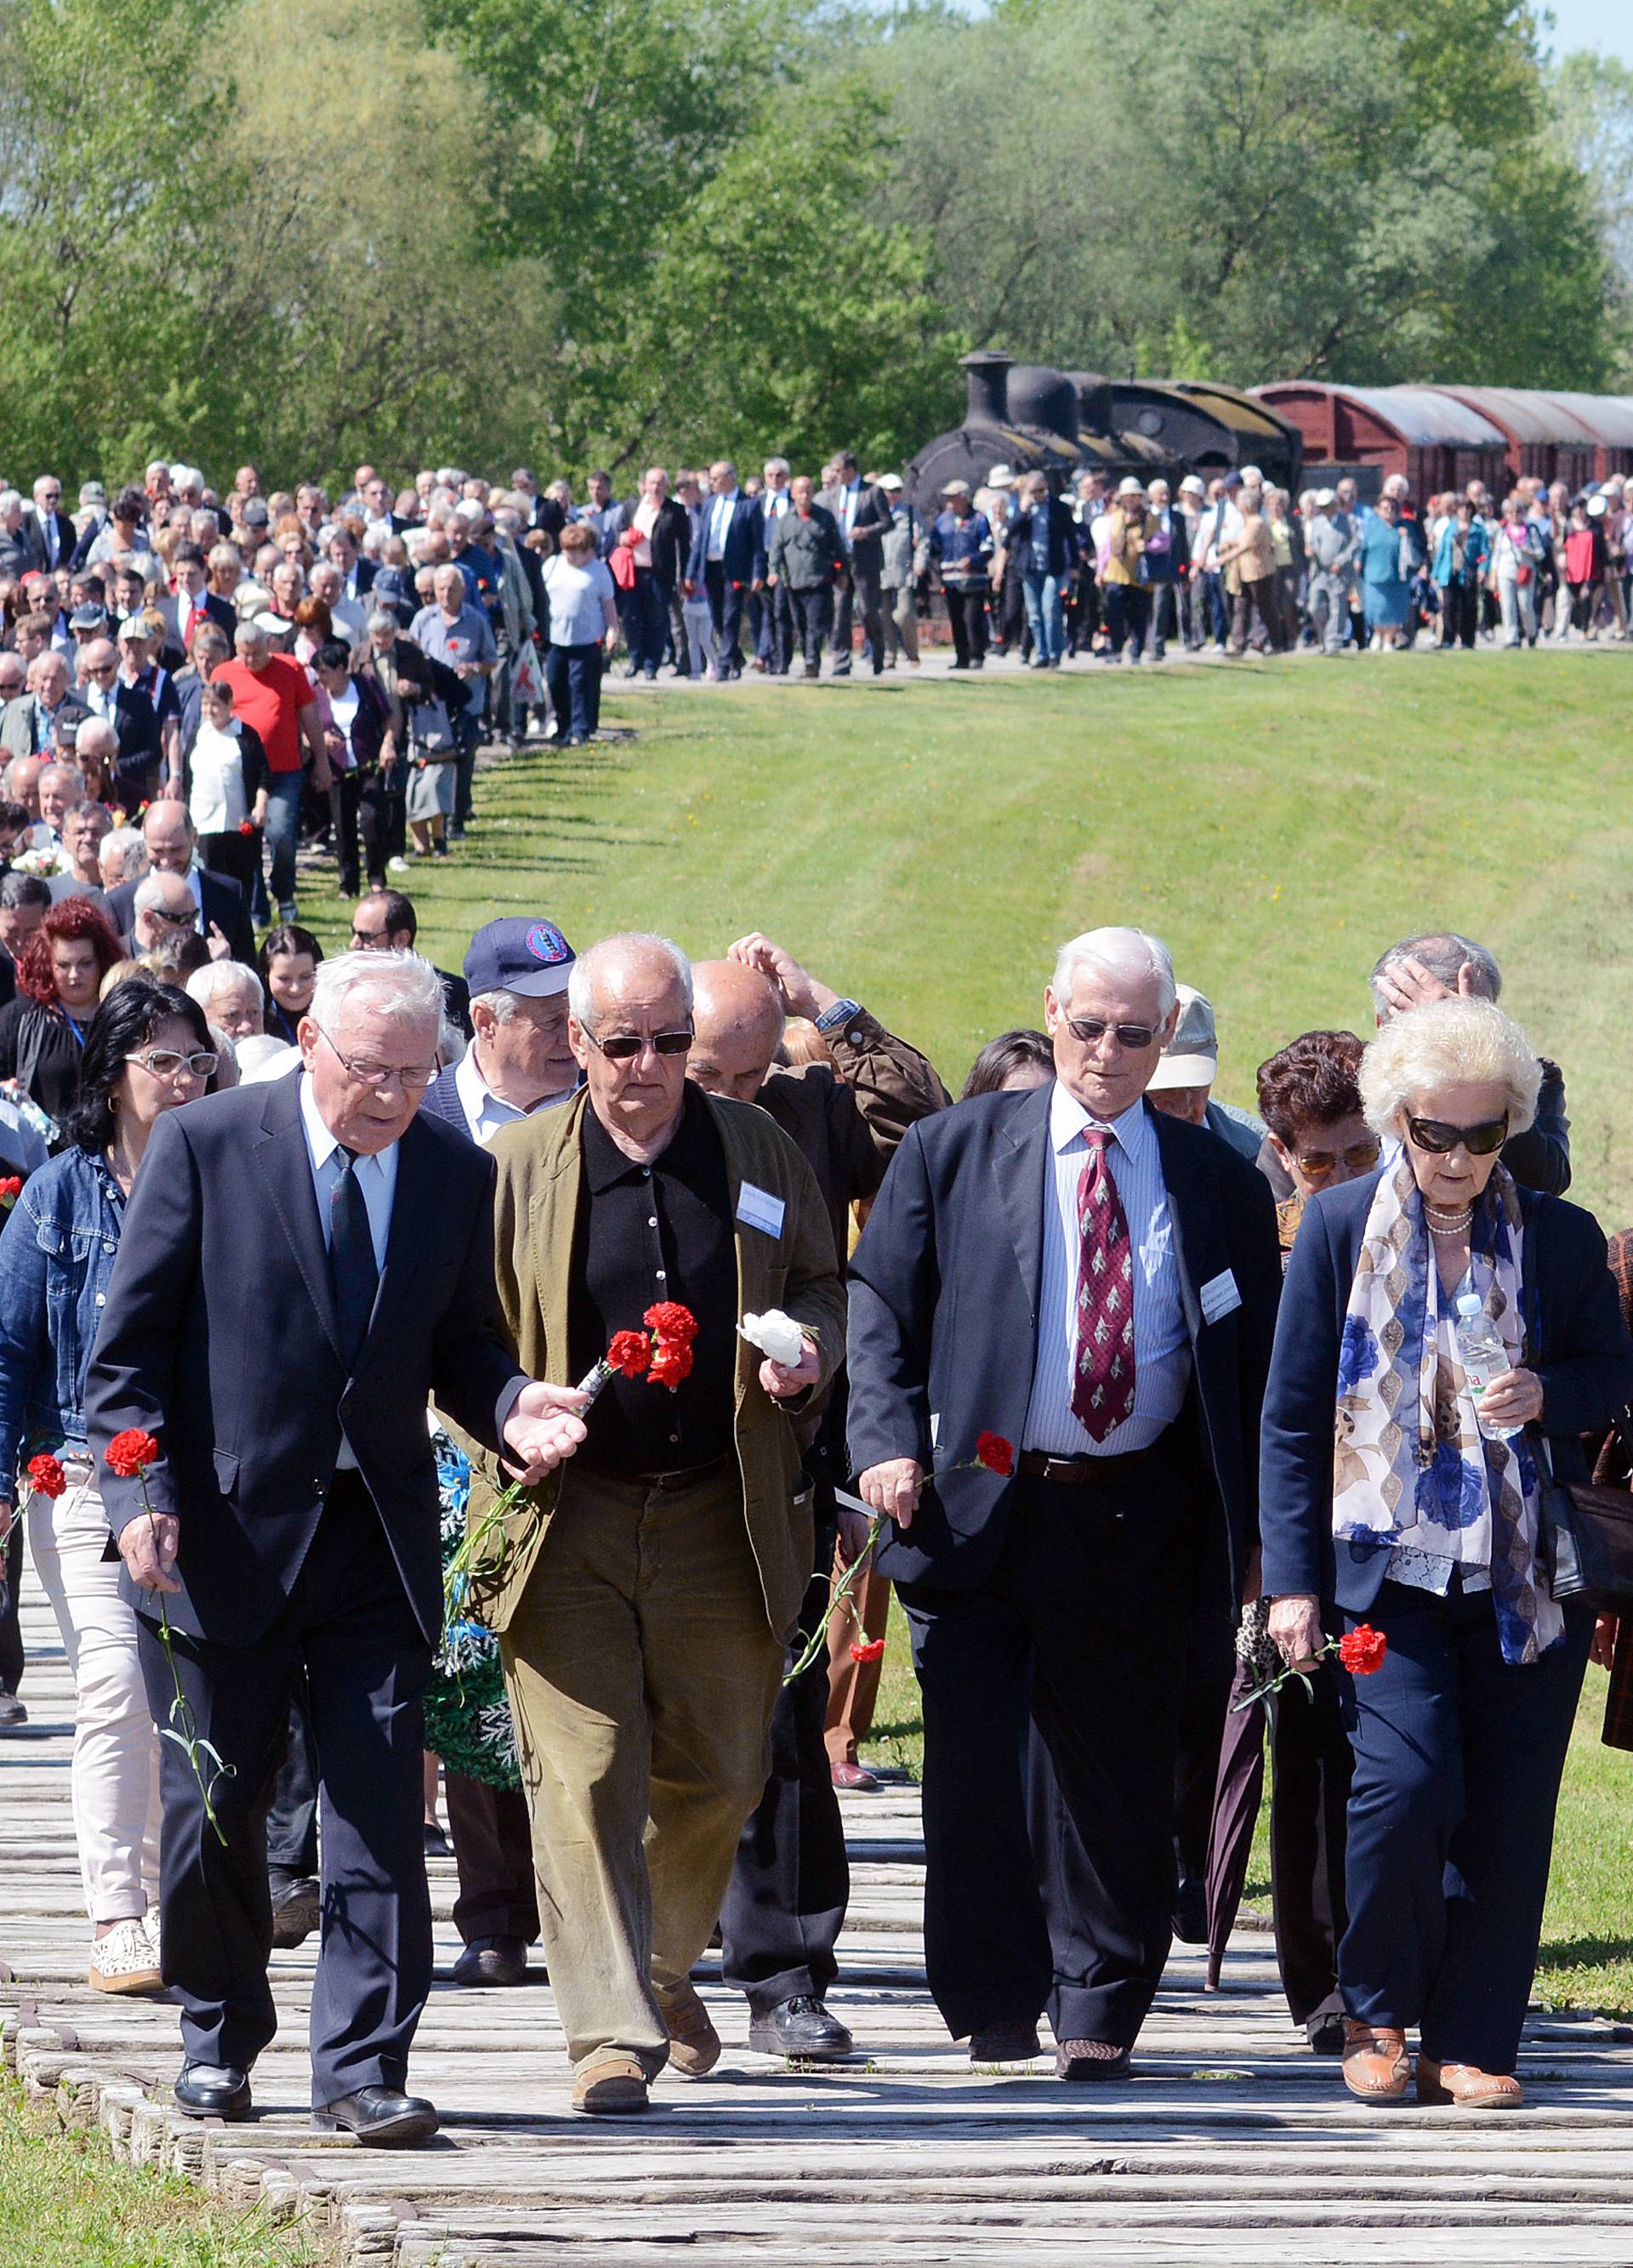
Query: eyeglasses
pixel 1360 1158
pixel 624 1047
pixel 165 1062
pixel 407 1076
pixel 1091 1028
pixel 172 921
pixel 103 668
pixel 364 938
pixel 1436 1137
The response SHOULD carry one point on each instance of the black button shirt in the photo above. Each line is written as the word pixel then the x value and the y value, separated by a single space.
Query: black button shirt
pixel 649 1232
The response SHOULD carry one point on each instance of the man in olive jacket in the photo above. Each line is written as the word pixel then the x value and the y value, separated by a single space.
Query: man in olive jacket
pixel 644 1606
pixel 807 554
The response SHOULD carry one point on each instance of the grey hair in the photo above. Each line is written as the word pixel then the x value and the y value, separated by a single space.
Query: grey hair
pixel 404 985
pixel 64 771
pixel 1443 952
pixel 151 890
pixel 9 501
pixel 500 1005
pixel 581 977
pixel 1445 1044
pixel 1123 953
pixel 203 985
pixel 126 841
pixel 380 620
pixel 776 465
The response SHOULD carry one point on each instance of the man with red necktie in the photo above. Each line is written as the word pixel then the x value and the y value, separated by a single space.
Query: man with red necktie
pixel 1096 1284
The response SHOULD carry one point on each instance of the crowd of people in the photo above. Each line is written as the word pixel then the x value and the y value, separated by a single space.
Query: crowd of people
pixel 318 1281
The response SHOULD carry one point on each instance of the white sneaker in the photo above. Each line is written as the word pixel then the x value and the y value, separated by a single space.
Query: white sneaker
pixel 396 865
pixel 125 1961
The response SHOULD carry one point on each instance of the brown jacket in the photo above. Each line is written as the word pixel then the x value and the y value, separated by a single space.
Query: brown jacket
pixel 848 1128
pixel 540 1163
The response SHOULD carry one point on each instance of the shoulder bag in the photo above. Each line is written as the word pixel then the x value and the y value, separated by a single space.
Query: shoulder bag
pixel 1585 1534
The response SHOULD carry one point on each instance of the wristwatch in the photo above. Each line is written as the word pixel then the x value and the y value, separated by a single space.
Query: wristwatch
pixel 841 1012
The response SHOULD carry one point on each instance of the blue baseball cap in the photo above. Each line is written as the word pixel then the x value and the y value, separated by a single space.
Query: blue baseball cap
pixel 521 955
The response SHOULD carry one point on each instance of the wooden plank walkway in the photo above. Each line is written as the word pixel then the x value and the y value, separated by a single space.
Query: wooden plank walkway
pixel 1232 2145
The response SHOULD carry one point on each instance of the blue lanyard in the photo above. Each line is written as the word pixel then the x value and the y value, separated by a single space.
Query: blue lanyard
pixel 73 1027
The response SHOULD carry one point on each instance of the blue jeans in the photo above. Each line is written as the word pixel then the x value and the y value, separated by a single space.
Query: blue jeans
pixel 1046 616
pixel 574 674
pixel 1458 1759
pixel 282 833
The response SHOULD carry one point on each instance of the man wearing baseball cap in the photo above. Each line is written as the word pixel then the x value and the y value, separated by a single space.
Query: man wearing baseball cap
pixel 1186 1071
pixel 519 1060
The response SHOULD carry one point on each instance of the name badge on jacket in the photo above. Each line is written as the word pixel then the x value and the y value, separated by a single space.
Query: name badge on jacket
pixel 1219 1296
pixel 760 1209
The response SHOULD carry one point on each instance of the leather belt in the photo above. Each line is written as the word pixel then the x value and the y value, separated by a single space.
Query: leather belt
pixel 672 1483
pixel 1081 1472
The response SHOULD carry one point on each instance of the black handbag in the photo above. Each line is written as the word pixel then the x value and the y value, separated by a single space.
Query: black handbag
pixel 1585 1538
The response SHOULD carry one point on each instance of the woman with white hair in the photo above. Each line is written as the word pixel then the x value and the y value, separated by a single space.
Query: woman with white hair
pixel 1396 1494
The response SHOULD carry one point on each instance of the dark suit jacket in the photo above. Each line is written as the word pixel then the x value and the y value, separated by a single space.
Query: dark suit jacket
pixel 221 901
pixel 33 540
pixel 671 538
pixel 743 548
pixel 944 1291
pixel 868 527
pixel 219 1337
pixel 175 611
pixel 1060 534
pixel 1575 1342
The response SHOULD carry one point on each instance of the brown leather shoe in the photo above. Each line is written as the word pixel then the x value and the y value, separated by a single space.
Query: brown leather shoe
pixel 694 2044
pixel 853 1776
pixel 1376 2065
pixel 616 2083
pixel 1467 2085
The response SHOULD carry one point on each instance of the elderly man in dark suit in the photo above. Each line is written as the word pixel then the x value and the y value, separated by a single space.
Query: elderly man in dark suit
pixel 1096 1284
pixel 782 1917
pixel 864 517
pixel 727 557
pixel 47 533
pixel 303 1264
pixel 221 917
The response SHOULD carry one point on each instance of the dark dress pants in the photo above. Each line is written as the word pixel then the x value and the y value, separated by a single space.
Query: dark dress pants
pixel 381 822
pixel 642 611
pixel 784 1905
pixel 773 641
pixel 857 596
pixel 572 674
pixel 1459 613
pixel 493 1851
pixel 349 1625
pixel 292 1822
pixel 726 614
pixel 966 612
pixel 1458 1759
pixel 1127 617
pixel 1310 1764
pixel 11 1630
pixel 1083 1577
pixel 813 610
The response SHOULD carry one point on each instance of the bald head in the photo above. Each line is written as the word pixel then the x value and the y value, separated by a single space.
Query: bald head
pixel 738 1019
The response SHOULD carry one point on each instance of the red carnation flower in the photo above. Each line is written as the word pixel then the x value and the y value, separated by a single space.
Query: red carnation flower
pixel 129 1452
pixel 10 1190
pixel 668 1320
pixel 997 1455
pixel 246 825
pixel 671 1361
pixel 867 1649
pixel 47 1476
pixel 631 1351
pixel 1362 1650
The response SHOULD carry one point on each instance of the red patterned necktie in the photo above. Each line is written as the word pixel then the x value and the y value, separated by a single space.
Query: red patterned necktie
pixel 1103 1366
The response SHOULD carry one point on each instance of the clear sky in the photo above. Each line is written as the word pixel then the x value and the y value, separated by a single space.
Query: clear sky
pixel 1607 25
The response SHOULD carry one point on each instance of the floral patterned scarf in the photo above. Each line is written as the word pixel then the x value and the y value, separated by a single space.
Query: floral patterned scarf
pixel 1408 1460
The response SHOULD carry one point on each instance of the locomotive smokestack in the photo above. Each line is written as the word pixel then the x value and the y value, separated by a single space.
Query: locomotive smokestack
pixel 989 387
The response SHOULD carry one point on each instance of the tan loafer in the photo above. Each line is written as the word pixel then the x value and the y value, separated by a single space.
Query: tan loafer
pixel 1376 2066
pixel 616 2084
pixel 1467 2085
pixel 694 2044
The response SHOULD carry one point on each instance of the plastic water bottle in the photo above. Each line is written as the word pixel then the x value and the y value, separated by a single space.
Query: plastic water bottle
pixel 1483 1356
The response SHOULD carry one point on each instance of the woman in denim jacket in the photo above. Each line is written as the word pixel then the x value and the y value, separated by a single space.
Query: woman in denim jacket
pixel 147 1050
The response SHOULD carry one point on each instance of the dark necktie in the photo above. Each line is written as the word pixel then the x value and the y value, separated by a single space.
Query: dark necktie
pixel 351 1258
pixel 1102 1372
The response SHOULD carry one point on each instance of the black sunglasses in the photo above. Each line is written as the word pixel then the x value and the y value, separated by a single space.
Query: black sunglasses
pixel 1436 1137
pixel 624 1047
pixel 1091 1028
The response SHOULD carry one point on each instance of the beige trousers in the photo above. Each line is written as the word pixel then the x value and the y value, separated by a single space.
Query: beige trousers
pixel 641 1673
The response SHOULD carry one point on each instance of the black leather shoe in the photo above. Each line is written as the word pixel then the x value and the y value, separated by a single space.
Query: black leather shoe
pixel 1091 2060
pixel 801 2027
pixel 379 2115
pixel 1190 1915
pixel 1325 2034
pixel 493 1961
pixel 210 2090
pixel 295 1910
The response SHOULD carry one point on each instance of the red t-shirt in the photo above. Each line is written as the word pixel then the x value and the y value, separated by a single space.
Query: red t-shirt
pixel 268 702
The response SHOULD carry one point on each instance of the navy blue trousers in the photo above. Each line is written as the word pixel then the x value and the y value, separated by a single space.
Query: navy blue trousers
pixel 1458 1759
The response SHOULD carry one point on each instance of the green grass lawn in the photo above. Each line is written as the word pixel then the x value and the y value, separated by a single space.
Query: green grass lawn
pixel 66 2203
pixel 927 846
